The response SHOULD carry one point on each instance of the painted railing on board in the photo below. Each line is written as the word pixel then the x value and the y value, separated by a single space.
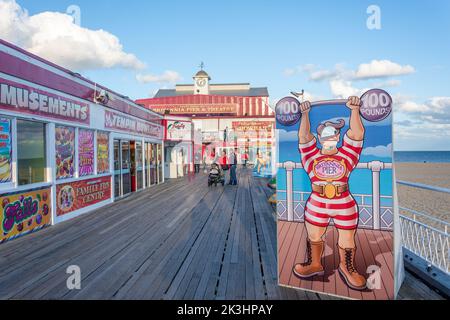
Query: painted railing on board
pixel 375 210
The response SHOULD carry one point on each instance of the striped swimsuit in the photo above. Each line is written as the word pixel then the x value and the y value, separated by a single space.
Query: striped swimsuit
pixel 331 169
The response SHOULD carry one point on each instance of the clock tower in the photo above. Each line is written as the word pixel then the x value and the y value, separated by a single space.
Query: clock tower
pixel 201 82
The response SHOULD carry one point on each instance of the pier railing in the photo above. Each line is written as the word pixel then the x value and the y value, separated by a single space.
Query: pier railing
pixel 375 210
pixel 424 235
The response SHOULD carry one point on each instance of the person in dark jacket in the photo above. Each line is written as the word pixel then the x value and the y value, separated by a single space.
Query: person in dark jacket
pixel 233 167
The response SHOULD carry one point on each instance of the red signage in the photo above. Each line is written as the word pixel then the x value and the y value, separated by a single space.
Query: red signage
pixel 80 194
pixel 120 122
pixel 253 125
pixel 188 109
pixel 21 98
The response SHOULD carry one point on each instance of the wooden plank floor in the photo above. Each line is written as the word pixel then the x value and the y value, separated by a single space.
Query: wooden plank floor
pixel 374 249
pixel 179 240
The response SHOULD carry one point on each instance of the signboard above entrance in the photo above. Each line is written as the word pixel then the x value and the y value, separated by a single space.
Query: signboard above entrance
pixel 198 109
pixel 117 121
pixel 17 97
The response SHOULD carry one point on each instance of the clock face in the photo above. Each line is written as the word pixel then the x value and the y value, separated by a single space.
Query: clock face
pixel 201 82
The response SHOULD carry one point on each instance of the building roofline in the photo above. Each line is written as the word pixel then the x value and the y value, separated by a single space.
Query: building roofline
pixel 143 100
pixel 72 74
pixel 214 84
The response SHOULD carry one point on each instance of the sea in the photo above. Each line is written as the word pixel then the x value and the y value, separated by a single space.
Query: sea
pixel 422 156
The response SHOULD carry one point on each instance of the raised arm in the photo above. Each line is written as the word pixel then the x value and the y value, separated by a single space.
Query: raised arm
pixel 304 131
pixel 356 131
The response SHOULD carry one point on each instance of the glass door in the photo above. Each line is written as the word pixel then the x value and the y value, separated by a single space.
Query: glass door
pixel 117 175
pixel 126 167
pixel 139 166
pixel 153 178
pixel 147 153
pixel 159 163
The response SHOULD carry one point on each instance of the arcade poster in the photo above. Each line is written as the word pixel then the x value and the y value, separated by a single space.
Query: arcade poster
pixel 335 196
pixel 5 150
pixel 85 152
pixel 65 152
pixel 255 140
pixel 24 212
pixel 102 152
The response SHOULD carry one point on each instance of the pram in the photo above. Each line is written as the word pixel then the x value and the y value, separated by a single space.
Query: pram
pixel 216 175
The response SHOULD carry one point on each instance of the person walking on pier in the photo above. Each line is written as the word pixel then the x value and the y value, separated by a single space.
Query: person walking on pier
pixel 197 160
pixel 223 161
pixel 233 167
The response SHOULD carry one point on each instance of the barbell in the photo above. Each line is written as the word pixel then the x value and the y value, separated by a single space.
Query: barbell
pixel 376 105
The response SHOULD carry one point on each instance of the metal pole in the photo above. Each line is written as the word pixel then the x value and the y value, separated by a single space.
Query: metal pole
pixel 376 166
pixel 289 166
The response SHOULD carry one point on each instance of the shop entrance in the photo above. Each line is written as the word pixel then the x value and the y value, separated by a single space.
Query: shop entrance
pixel 137 168
pixel 122 168
pixel 152 164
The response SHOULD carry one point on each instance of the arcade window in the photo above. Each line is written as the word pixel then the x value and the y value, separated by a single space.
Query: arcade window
pixel 31 148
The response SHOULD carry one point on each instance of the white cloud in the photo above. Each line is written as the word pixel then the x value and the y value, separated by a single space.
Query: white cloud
pixel 365 71
pixel 435 110
pixel 55 36
pixel 167 76
pixel 388 83
pixel 382 69
pixel 378 151
pixel 411 106
pixel 342 89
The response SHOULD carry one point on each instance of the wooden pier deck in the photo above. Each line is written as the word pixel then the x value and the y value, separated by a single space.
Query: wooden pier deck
pixel 178 240
pixel 374 249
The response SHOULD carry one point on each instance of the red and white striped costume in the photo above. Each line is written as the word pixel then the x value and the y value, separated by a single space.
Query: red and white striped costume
pixel 342 208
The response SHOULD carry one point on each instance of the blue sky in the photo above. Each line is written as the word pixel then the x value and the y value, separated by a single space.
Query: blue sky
pixel 319 46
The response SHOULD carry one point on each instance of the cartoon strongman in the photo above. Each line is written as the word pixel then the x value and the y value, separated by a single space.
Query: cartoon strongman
pixel 329 169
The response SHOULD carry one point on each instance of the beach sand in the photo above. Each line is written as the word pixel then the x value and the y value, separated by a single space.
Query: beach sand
pixel 434 203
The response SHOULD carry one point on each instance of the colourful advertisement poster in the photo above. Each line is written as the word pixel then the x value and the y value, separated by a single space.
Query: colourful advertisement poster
pixel 262 161
pixel 102 152
pixel 80 194
pixel 179 130
pixel 5 150
pixel 335 196
pixel 85 152
pixel 65 152
pixel 24 212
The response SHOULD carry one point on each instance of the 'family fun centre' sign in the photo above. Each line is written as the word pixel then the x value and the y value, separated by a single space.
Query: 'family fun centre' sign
pixel 21 98
pixel 24 212
pixel 120 122
pixel 81 194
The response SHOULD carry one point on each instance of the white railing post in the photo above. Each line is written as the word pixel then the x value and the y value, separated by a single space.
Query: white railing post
pixel 289 166
pixel 376 167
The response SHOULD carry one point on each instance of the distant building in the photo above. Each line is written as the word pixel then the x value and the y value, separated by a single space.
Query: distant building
pixel 228 115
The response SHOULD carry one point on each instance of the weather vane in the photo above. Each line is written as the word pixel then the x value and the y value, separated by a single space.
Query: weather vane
pixel 202 65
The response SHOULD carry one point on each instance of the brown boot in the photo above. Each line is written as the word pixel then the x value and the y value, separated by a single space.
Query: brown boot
pixel 348 271
pixel 313 264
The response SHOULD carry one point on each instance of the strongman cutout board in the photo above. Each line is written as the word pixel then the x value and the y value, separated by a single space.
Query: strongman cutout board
pixel 335 196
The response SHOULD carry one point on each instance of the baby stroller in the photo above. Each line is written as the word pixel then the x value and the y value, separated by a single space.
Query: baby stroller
pixel 216 175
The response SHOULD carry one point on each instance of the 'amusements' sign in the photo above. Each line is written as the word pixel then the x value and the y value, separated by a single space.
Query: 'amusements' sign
pixel 21 98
